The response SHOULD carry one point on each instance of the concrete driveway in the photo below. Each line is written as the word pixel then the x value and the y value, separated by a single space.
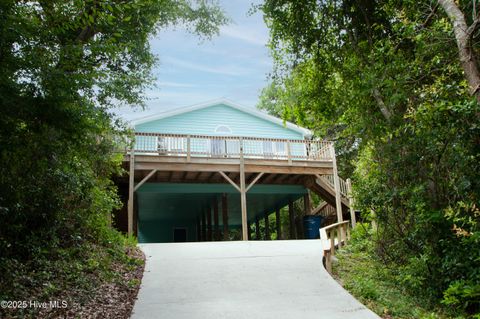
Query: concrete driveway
pixel 256 279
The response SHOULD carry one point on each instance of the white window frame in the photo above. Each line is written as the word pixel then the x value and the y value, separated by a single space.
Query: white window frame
pixel 223 125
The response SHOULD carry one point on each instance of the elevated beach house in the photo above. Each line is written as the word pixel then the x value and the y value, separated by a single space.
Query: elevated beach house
pixel 210 171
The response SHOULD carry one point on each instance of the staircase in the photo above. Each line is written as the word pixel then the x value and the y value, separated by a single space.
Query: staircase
pixel 323 185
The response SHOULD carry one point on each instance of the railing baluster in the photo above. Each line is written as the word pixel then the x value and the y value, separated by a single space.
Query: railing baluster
pixel 334 233
pixel 202 145
pixel 289 153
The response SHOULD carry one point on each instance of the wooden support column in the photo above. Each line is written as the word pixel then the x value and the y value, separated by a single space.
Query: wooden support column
pixel 267 228
pixel 299 226
pixel 243 193
pixel 216 229
pixel 209 224
pixel 131 187
pixel 226 235
pixel 338 198
pixel 336 183
pixel 307 206
pixel 189 143
pixel 291 217
pixel 257 229
pixel 243 189
pixel 279 224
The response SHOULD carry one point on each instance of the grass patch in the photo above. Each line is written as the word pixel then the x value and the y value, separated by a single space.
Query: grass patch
pixel 378 287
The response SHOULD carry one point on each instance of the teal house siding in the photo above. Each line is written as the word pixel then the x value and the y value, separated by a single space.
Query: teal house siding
pixel 221 119
pixel 205 121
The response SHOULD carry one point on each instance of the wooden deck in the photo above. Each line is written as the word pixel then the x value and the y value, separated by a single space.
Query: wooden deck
pixel 240 161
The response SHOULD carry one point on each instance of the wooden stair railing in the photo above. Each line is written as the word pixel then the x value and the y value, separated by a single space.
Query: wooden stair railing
pixel 332 237
pixel 328 179
pixel 324 186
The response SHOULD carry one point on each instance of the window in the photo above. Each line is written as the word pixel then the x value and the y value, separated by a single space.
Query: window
pixel 223 129
pixel 221 147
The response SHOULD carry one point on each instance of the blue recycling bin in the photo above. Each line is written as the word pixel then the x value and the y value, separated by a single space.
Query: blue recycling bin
pixel 311 225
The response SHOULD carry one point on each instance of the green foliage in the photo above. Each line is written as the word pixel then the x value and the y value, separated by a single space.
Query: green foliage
pixel 63 65
pixel 365 276
pixel 379 78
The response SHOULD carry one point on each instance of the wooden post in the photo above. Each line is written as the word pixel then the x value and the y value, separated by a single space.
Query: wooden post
pixel 340 232
pixel 289 153
pixel 291 219
pixel 328 261
pixel 299 226
pixel 279 224
pixel 257 228
pixel 267 228
pixel 216 229
pixel 351 202
pixel 243 193
pixel 209 224
pixel 307 207
pixel 226 236
pixel 131 187
pixel 336 183
pixel 332 233
pixel 188 148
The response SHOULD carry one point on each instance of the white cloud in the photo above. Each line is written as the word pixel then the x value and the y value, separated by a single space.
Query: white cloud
pixel 252 35
pixel 175 84
pixel 231 70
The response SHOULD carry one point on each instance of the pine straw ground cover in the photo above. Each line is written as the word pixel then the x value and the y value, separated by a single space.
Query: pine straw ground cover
pixel 92 282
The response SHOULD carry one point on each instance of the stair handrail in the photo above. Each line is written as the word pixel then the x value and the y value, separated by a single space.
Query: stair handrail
pixel 328 178
pixel 331 237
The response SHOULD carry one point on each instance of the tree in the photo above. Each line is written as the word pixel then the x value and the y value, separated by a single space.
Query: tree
pixel 63 66
pixel 464 35
pixel 382 80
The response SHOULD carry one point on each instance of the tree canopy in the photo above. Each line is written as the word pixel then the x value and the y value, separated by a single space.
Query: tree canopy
pixel 393 83
pixel 63 66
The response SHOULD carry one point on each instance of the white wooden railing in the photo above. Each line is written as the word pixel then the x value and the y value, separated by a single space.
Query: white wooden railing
pixel 344 187
pixel 332 237
pixel 231 147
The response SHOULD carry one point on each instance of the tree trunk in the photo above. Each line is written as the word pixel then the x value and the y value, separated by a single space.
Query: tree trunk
pixel 465 52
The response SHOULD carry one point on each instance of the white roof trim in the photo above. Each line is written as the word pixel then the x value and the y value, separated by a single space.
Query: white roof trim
pixel 254 112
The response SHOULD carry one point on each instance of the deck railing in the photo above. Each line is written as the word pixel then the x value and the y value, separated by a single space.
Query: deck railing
pixel 344 188
pixel 333 236
pixel 230 147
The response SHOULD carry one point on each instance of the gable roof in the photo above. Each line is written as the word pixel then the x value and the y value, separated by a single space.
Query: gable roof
pixel 251 111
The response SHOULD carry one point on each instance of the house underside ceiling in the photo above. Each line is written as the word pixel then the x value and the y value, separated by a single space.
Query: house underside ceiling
pixel 187 201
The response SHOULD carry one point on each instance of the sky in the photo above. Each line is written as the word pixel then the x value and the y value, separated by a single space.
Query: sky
pixel 233 65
